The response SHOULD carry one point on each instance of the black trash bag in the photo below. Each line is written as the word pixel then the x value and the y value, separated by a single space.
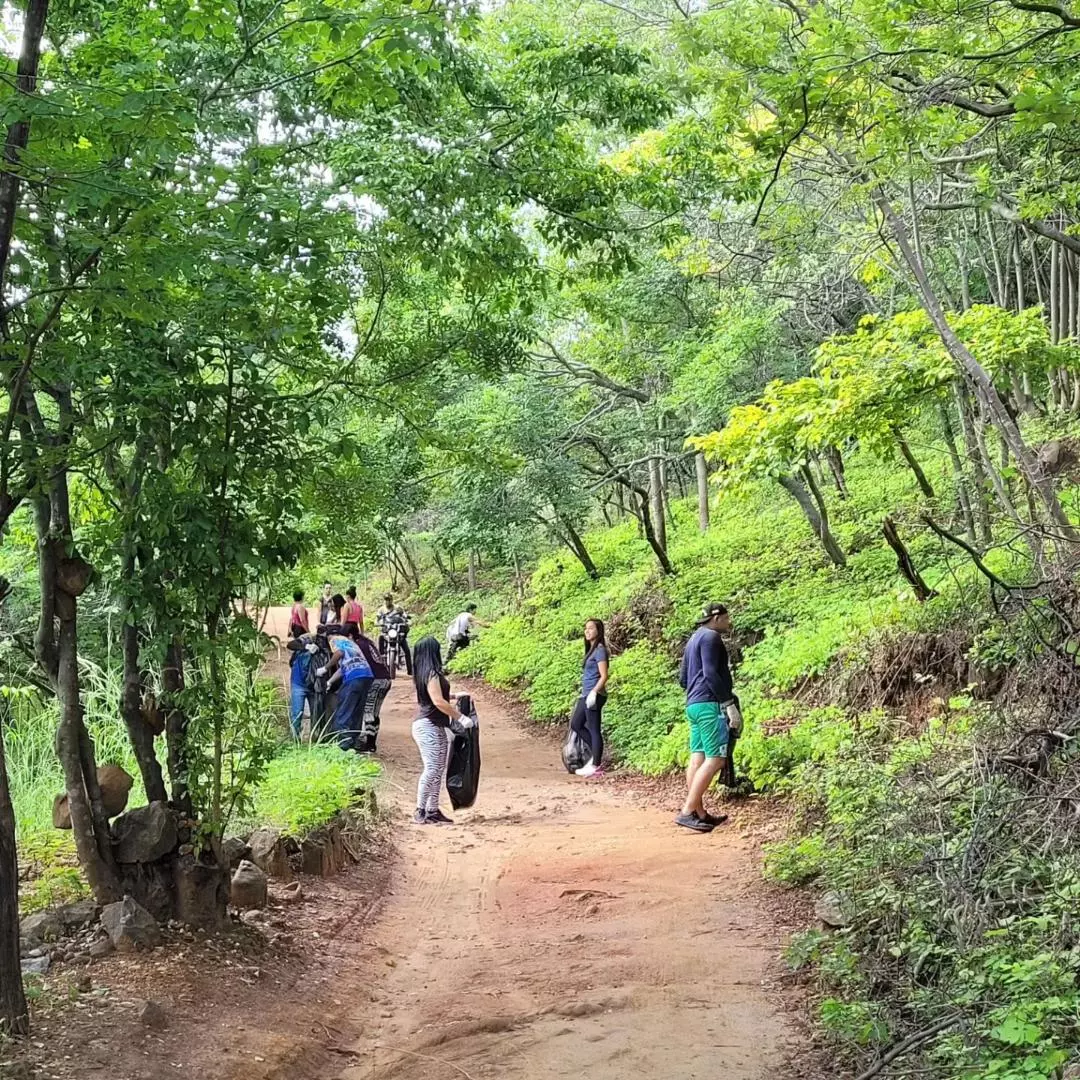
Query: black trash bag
pixel 463 770
pixel 576 751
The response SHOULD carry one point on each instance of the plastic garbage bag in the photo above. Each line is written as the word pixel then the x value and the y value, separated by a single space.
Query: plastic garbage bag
pixel 576 751
pixel 463 769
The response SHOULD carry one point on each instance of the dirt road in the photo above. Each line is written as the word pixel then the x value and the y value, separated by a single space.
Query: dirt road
pixel 557 930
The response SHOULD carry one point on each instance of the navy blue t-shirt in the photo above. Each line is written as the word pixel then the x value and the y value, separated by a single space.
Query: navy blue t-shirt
pixel 590 672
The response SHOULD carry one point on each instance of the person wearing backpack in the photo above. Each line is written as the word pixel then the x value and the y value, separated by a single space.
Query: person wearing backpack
pixel 705 675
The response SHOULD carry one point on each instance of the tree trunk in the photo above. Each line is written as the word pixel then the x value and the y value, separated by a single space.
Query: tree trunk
pixel 14 1016
pixel 410 563
pixel 176 723
pixel 656 503
pixel 519 578
pixel 701 467
pixel 472 570
pixel 836 467
pixel 971 444
pixel 139 732
pixel 577 546
pixel 904 562
pixel 651 535
pixel 797 489
pixel 986 392
pixel 959 480
pixel 57 641
pixel 913 464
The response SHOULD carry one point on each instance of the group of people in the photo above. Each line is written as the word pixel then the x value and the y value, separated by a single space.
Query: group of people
pixel 340 675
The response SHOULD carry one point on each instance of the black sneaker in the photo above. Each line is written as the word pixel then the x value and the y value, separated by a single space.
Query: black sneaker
pixel 437 817
pixel 420 818
pixel 692 821
pixel 711 819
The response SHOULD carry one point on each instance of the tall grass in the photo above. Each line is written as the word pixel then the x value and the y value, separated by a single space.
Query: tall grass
pixel 33 768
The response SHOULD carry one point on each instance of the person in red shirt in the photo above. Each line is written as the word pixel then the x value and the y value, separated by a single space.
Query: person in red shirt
pixel 354 610
pixel 299 614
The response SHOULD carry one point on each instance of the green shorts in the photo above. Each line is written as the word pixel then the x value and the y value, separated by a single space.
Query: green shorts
pixel 708 729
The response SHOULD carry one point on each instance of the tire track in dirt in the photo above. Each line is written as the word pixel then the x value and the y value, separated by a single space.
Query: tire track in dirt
pixel 558 929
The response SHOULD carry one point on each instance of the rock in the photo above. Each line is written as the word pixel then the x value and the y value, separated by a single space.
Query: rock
pixel 233 850
pixel 76 916
pixel 248 887
pixel 833 910
pixel 82 984
pixel 42 926
pixel 268 853
pixel 130 926
pixel 201 892
pixel 115 786
pixel 100 947
pixel 36 965
pixel 293 893
pixel 144 835
pixel 153 1016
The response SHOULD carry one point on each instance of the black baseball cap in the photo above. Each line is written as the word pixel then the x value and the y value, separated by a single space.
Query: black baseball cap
pixel 710 611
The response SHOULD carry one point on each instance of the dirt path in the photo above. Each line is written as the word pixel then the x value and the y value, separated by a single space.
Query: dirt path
pixel 560 929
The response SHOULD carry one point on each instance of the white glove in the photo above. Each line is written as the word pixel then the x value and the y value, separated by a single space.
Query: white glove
pixel 320 672
pixel 590 701
pixel 468 722
pixel 311 647
pixel 734 718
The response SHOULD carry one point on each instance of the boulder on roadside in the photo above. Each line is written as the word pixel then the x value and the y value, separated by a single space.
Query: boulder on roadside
pixel 268 853
pixel 115 784
pixel 833 910
pixel 100 947
pixel 130 926
pixel 248 887
pixel 40 927
pixel 145 834
pixel 79 914
pixel 36 965
pixel 234 850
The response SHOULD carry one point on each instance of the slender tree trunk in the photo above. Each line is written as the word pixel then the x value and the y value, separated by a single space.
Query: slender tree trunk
pixel 836 467
pixel 472 570
pixel 656 503
pixel 176 724
pixel 904 562
pixel 971 444
pixel 519 579
pixel 410 563
pixel 913 464
pixel 797 489
pixel 1026 461
pixel 577 546
pixel 701 468
pixel 651 535
pixel 14 1016
pixel 959 480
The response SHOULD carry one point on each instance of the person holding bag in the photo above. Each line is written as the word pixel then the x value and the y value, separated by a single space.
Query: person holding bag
pixel 437 713
pixel 588 710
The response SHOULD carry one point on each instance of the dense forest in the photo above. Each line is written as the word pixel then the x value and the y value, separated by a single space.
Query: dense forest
pixel 581 308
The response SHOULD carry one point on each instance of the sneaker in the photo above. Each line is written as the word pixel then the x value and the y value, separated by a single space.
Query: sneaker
pixel 692 821
pixel 437 817
pixel 587 770
pixel 712 819
pixel 420 818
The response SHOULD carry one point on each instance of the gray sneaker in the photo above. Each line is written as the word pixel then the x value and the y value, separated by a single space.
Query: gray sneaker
pixel 692 821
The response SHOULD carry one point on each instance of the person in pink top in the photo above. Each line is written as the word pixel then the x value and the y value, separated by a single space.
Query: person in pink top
pixel 299 614
pixel 354 610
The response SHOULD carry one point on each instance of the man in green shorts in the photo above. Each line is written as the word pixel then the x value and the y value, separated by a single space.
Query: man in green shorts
pixel 705 675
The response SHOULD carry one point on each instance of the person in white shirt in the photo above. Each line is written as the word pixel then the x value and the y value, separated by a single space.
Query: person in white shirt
pixel 459 632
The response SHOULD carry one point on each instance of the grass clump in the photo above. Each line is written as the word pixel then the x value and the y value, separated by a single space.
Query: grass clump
pixel 306 786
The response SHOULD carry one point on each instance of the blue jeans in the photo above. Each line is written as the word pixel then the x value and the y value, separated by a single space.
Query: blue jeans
pixel 298 694
pixel 349 716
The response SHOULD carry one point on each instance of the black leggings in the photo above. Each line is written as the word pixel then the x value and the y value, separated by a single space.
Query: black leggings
pixel 586 722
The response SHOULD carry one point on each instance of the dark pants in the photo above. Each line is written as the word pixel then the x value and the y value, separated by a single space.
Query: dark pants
pixel 456 645
pixel 349 718
pixel 372 708
pixel 586 721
